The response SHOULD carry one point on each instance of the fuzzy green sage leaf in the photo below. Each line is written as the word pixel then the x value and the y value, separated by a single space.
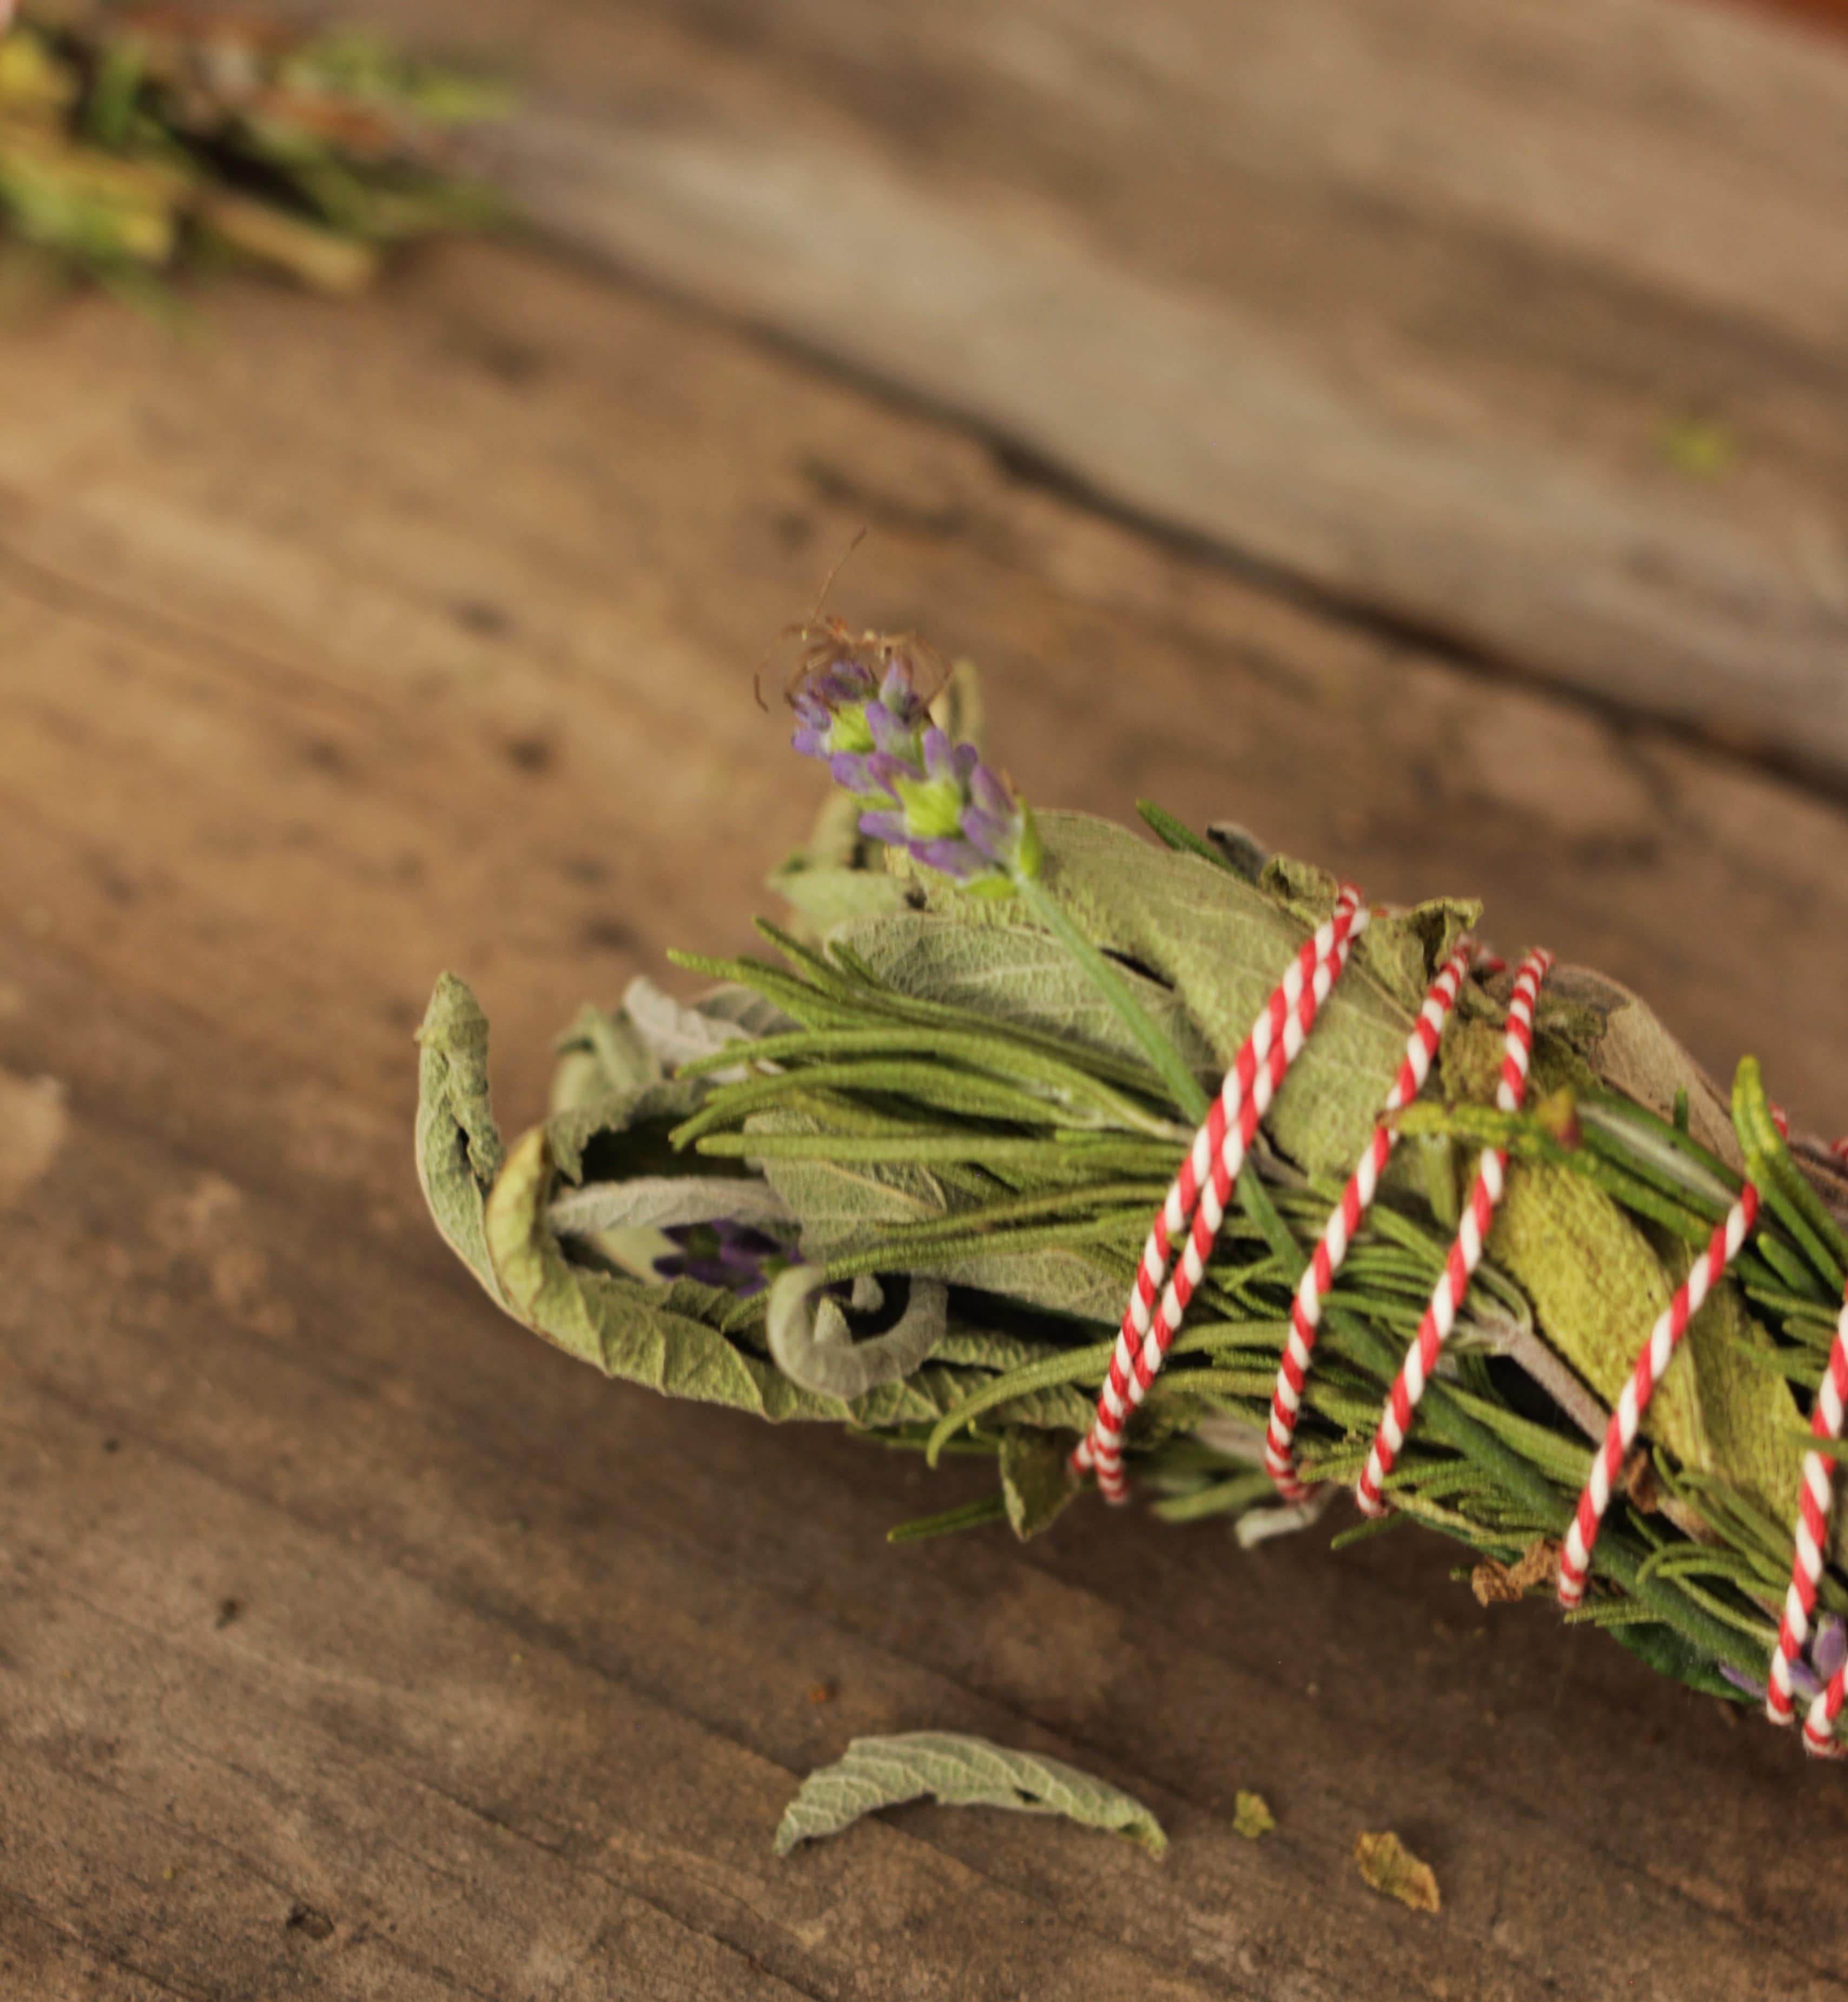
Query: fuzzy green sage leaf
pixel 957 1770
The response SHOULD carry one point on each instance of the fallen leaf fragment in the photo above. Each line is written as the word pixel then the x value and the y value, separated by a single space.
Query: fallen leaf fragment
pixel 958 1771
pixel 1498 1583
pixel 1388 1867
pixel 1251 1816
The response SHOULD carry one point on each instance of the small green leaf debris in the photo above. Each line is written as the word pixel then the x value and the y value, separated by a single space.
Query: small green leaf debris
pixel 1251 1816
pixel 1697 446
pixel 957 1770
pixel 1388 1867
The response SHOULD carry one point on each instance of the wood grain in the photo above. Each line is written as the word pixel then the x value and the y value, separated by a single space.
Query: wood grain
pixel 1523 328
pixel 355 1644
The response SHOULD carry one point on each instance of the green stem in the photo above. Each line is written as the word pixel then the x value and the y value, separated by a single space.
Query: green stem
pixel 1167 1060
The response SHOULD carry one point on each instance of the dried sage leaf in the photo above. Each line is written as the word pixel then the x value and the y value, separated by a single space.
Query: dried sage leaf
pixel 1388 1867
pixel 957 1770
pixel 1598 1287
pixel 1036 1477
pixel 813 1346
pixel 660 1202
pixel 458 1149
pixel 671 1338
pixel 1215 945
pixel 600 1053
pixel 675 1032
pixel 1013 973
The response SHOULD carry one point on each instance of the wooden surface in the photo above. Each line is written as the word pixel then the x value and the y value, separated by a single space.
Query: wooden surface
pixel 1524 327
pixel 356 1645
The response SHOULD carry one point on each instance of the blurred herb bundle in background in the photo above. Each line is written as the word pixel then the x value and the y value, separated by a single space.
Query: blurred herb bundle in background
pixel 134 139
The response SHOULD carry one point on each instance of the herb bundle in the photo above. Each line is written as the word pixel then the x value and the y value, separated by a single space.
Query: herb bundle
pixel 897 1173
pixel 134 138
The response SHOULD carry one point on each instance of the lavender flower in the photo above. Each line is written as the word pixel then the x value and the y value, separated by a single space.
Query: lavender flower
pixel 1826 1651
pixel 920 792
pixel 724 1253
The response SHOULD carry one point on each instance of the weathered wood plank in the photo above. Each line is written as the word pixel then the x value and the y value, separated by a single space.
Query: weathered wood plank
pixel 349 644
pixel 1410 303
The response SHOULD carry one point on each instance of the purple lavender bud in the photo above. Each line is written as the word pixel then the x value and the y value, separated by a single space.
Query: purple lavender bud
pixel 844 681
pixel 991 794
pixel 898 692
pixel 850 773
pixel 951 857
pixel 996 838
pixel 886 827
pixel 928 795
pixel 1741 1681
pixel 731 1256
pixel 892 734
pixel 940 755
pixel 1828 1650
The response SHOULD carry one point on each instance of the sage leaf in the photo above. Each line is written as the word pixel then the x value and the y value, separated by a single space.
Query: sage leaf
pixel 1216 943
pixel 957 1770
pixel 662 1104
pixel 1063 1282
pixel 599 1054
pixel 1014 974
pixel 828 896
pixel 660 1202
pixel 675 1032
pixel 813 1347
pixel 1036 1477
pixel 846 1203
pixel 1388 1867
pixel 459 1149
pixel 1633 1053
pixel 671 1338
pixel 1598 1287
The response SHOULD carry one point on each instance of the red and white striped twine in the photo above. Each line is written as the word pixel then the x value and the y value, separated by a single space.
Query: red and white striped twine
pixel 1343 1220
pixel 1196 1204
pixel 1466 1253
pixel 1664 1338
pixel 1203 1188
pixel 1813 1505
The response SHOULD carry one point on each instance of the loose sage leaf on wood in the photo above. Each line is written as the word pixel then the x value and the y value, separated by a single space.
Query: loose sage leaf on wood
pixel 957 1770
pixel 459 1148
pixel 1388 1867
pixel 1036 1477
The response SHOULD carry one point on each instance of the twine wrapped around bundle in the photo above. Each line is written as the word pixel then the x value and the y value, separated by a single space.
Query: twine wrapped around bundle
pixel 1486 1245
